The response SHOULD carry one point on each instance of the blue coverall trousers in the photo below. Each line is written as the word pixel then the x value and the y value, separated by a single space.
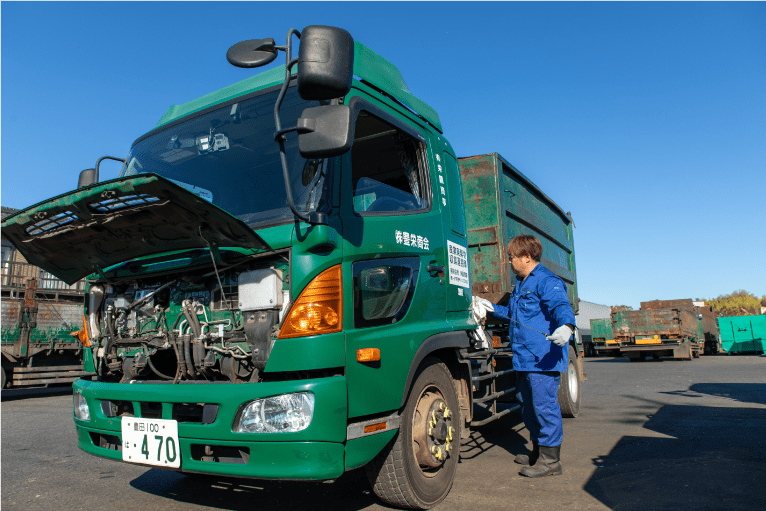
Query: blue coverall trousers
pixel 538 394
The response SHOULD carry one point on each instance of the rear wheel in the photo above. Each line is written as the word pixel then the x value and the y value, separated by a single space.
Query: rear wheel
pixel 569 387
pixel 417 468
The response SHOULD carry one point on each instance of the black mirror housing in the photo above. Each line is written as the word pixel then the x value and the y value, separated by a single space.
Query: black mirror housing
pixel 325 63
pixel 325 131
pixel 252 53
pixel 87 177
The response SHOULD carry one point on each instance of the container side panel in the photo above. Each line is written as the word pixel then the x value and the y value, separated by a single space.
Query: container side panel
pixel 490 276
pixel 662 322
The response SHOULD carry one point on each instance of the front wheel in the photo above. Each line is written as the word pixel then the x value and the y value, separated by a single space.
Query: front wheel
pixel 569 387
pixel 417 468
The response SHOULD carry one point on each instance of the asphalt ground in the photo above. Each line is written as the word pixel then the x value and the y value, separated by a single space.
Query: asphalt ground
pixel 652 435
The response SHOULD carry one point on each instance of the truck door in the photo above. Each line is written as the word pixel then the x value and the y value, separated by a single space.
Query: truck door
pixel 457 272
pixel 392 233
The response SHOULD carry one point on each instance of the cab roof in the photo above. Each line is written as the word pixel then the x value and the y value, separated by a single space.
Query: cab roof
pixel 369 67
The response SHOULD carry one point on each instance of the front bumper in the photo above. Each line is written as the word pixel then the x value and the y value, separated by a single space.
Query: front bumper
pixel 315 453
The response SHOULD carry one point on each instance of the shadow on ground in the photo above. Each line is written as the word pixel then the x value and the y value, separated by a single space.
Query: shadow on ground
pixel 350 492
pixel 712 458
pixel 498 434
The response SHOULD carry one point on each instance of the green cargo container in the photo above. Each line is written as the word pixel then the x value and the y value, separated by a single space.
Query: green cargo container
pixel 500 203
pixel 743 334
pixel 602 334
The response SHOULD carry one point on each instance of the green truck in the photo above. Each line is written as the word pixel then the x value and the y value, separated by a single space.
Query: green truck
pixel 602 334
pixel 294 302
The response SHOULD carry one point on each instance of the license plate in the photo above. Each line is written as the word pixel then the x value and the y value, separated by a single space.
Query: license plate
pixel 151 442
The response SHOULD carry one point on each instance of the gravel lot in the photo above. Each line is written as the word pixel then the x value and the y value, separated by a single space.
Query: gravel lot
pixel 654 435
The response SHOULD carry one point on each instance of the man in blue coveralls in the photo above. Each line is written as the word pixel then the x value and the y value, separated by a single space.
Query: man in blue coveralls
pixel 538 304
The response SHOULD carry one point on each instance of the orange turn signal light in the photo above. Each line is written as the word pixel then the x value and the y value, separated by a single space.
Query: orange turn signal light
pixel 368 355
pixel 318 309
pixel 495 341
pixel 380 426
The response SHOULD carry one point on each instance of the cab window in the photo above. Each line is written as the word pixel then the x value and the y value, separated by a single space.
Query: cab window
pixel 388 169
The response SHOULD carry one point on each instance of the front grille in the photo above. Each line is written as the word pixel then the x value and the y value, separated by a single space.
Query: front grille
pixel 204 413
pixel 117 408
pixel 151 410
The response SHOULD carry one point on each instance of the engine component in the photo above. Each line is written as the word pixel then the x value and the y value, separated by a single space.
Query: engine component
pixel 258 329
pixel 260 290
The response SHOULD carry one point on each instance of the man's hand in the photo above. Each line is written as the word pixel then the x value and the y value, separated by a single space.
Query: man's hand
pixel 560 336
pixel 482 304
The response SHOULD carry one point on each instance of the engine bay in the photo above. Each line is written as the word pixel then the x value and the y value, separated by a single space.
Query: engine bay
pixel 197 325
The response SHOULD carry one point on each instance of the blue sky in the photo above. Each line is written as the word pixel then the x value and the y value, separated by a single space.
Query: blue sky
pixel 646 120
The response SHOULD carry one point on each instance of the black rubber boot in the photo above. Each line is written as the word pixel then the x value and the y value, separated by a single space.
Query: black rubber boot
pixel 529 459
pixel 548 464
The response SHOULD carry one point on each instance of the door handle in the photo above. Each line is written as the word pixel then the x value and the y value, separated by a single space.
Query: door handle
pixel 432 268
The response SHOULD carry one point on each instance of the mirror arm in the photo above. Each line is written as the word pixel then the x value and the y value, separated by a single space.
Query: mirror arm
pixel 106 158
pixel 278 135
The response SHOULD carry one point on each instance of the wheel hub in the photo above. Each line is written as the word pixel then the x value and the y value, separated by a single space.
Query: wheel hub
pixel 433 433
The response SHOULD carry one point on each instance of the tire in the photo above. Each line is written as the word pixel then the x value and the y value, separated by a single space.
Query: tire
pixel 3 378
pixel 569 387
pixel 404 475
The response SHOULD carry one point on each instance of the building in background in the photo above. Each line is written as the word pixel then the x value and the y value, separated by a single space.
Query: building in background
pixel 588 311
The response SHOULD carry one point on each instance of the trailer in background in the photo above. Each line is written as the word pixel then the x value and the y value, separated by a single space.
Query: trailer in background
pixel 743 334
pixel 602 333
pixel 707 326
pixel 39 315
pixel 661 328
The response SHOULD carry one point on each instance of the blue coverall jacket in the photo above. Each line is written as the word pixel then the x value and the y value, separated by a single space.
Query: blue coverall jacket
pixel 540 302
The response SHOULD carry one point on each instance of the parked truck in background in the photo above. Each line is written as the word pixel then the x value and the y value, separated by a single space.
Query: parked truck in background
pixel 39 315
pixel 602 333
pixel 661 328
pixel 274 306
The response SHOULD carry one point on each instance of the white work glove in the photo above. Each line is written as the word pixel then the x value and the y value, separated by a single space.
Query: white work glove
pixel 560 336
pixel 480 307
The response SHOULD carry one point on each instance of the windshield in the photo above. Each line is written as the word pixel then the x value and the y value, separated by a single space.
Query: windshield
pixel 229 157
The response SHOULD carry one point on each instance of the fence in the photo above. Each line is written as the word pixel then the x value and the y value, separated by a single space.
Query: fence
pixel 15 275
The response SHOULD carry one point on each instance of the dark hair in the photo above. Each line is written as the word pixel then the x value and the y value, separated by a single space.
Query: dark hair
pixel 525 245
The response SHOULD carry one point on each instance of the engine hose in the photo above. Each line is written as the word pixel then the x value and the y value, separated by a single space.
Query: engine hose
pixel 191 316
pixel 180 362
pixel 189 365
pixel 154 369
pixel 178 320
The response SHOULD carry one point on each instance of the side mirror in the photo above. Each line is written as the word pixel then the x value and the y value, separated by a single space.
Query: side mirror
pixel 252 53
pixel 325 62
pixel 325 131
pixel 87 177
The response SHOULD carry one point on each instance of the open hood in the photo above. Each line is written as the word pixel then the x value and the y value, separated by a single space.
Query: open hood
pixel 75 234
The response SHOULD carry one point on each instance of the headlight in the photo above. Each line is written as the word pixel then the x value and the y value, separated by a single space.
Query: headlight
pixel 286 413
pixel 81 410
